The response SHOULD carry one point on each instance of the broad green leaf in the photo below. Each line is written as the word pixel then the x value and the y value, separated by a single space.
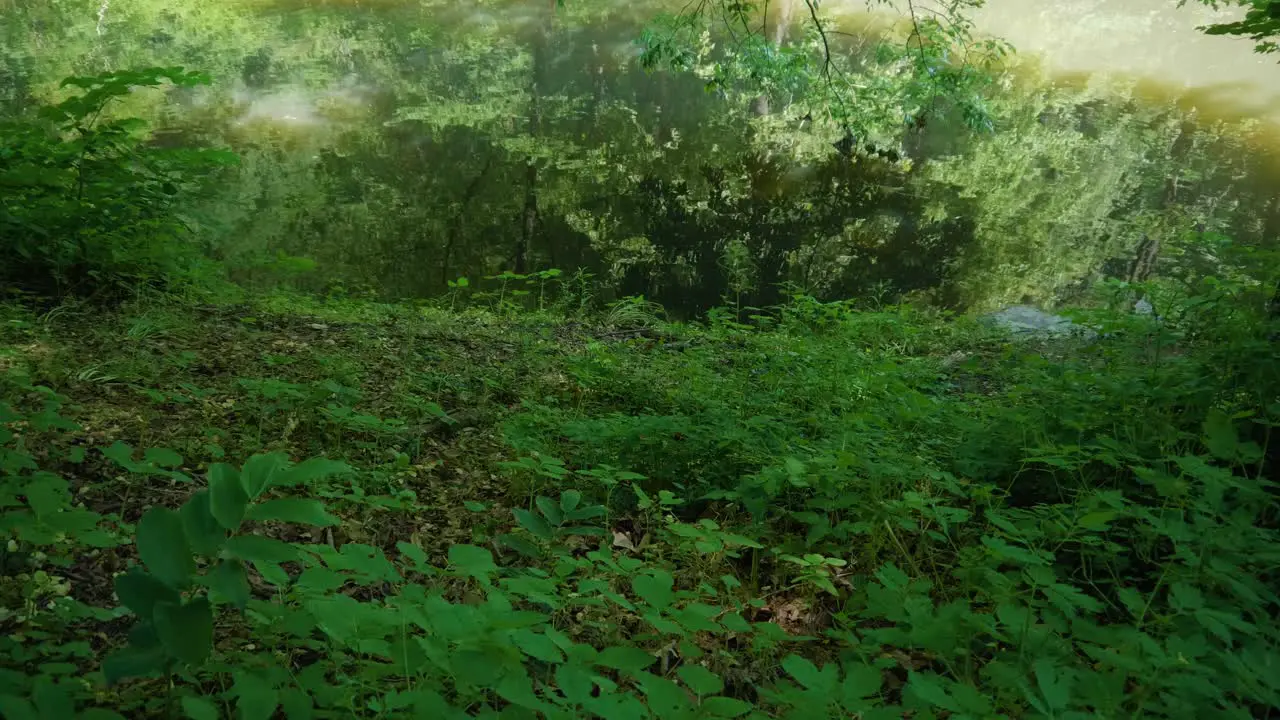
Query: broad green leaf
pixel 13 707
pixel 1054 687
pixel 227 498
pixel 699 617
pixel 588 512
pixel 724 707
pixel 1222 623
pixel 520 544
pixel 550 510
pixel 643 501
pixel 205 534
pixel 860 681
pixel 476 668
pixel 474 561
pixel 517 689
pixel 655 588
pixel 310 470
pixel 665 698
pixel 297 704
pixel 230 581
pixel 576 682
pixel 808 674
pixel 733 540
pixel 1097 520
pixel 1185 597
pixel 569 500
pixel 140 591
pixel 1069 599
pixel 131 662
pixel 1220 435
pixel 198 708
pixel 537 645
pixel 562 641
pixel 1133 601
pixel 164 457
pixel 1040 576
pixel 256 548
pixel 416 556
pixel 259 471
pixel 796 472
pixel 47 495
pixel 53 700
pixel 619 706
pixel 1003 550
pixel 163 548
pixel 892 577
pixel 321 580
pixel 625 659
pixel 975 701
pixel 122 454
pixel 143 635
pixel 256 699
pixel 533 523
pixel 339 617
pixel 303 511
pixel 426 704
pixel 186 630
pixel 699 679
pixel 929 688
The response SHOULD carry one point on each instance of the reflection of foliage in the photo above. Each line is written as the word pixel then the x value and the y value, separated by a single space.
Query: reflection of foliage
pixel 451 140
pixel 481 83
pixel 1073 179
pixel 931 70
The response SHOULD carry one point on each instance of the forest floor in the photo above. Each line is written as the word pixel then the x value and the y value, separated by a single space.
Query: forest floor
pixel 706 455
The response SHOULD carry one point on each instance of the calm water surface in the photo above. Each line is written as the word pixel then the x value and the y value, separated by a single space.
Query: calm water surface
pixel 310 91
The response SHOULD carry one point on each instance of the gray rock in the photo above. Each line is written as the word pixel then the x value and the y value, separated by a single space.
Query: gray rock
pixel 1026 319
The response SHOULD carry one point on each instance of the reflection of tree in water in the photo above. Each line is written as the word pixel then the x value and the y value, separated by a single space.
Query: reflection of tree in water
pixel 802 234
pixel 495 141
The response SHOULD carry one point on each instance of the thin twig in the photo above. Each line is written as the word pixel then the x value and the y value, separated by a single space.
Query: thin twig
pixel 822 33
pixel 915 23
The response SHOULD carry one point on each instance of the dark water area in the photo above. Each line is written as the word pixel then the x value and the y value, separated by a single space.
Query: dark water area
pixel 401 145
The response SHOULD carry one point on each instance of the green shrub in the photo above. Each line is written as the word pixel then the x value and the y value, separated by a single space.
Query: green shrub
pixel 90 206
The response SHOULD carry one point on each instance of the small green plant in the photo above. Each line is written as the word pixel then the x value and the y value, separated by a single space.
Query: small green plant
pixel 503 302
pixel 506 298
pixel 633 312
pixel 456 289
pixel 540 468
pixel 349 419
pixel 816 571
pixel 159 462
pixel 172 596
pixel 739 266
pixel 549 521
pixel 577 292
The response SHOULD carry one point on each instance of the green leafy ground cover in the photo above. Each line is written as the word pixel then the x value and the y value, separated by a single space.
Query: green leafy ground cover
pixel 304 508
